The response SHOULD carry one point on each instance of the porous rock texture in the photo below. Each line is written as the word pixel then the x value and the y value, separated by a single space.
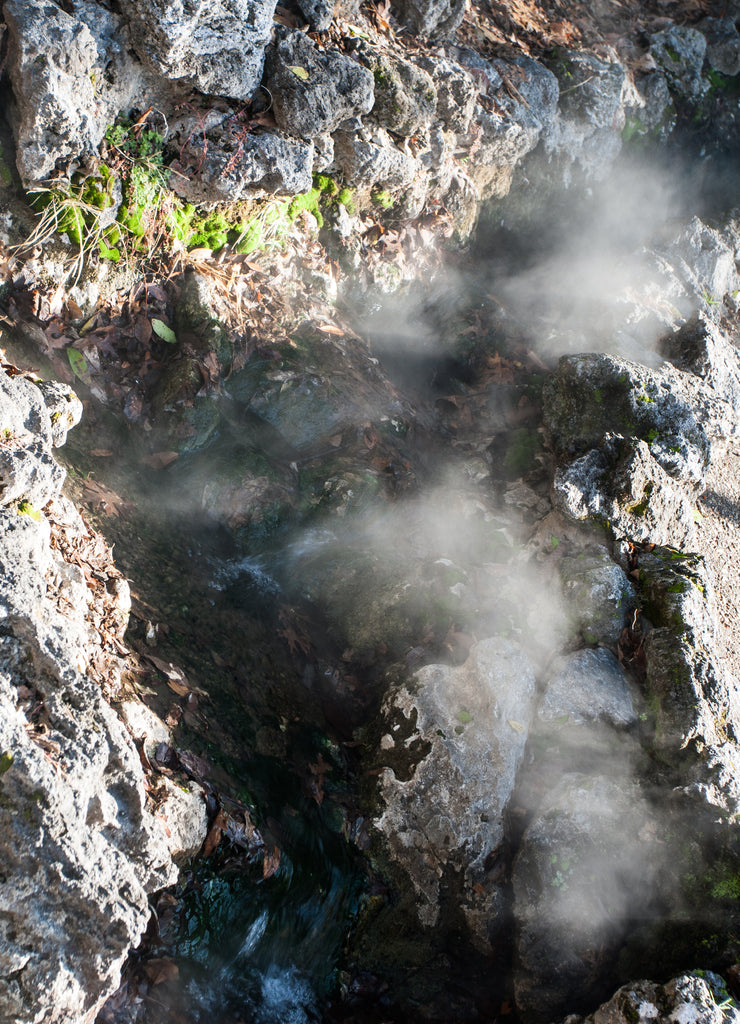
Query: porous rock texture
pixel 463 730
pixel 472 120
pixel 72 797
pixel 691 997
pixel 214 47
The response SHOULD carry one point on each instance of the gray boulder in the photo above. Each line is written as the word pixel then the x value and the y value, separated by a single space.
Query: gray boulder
pixel 313 91
pixel 229 167
pixel 28 471
pixel 650 111
pixel 518 107
pixel 369 157
pixel 723 45
pixel 435 19
pixel 405 95
pixel 72 791
pixel 703 261
pixel 456 92
pixel 588 686
pixel 591 89
pixel 217 48
pixel 52 64
pixel 599 596
pixel 680 51
pixel 453 743
pixel 701 348
pixel 622 486
pixel 592 112
pixel 318 13
pixel 63 406
pixel 700 997
pixel 591 395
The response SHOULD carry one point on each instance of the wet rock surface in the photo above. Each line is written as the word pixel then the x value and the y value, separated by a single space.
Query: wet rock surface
pixel 540 790
pixel 454 743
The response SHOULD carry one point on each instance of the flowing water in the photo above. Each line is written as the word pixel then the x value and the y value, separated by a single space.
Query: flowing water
pixel 281 727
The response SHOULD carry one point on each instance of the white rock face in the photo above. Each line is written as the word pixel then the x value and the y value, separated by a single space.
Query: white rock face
pixel 79 849
pixel 472 721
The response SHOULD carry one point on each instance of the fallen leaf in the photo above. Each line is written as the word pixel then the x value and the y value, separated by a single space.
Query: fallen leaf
pixel 299 72
pixel 158 460
pixel 159 970
pixel 176 678
pixel 101 453
pixel 143 329
pixel 77 362
pixel 215 832
pixel 331 329
pixel 516 726
pixel 166 333
pixel 271 862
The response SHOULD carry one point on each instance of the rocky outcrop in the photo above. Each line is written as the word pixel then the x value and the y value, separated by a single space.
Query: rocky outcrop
pixel 215 48
pixel 699 996
pixel 73 799
pixel 346 106
pixel 454 742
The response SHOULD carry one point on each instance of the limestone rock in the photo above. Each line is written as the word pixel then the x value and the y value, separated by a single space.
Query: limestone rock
pixel 704 262
pixel 216 47
pixel 182 811
pixel 591 395
pixel 52 61
pixel 723 44
pixel 621 485
pixel 318 13
pixel 228 168
pixel 120 78
pixel 702 348
pixel 464 730
pixel 370 157
pixel 590 89
pixel 599 596
pixel 592 114
pixel 650 110
pixel 680 51
pixel 437 19
pixel 690 997
pixel 71 786
pixel 525 96
pixel 28 471
pixel 314 92
pixel 588 686
pixel 456 92
pixel 405 95
pixel 65 409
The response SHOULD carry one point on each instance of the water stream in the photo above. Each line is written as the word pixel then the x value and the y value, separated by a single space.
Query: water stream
pixel 282 724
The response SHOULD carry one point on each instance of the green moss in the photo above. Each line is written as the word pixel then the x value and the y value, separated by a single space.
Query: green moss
pixel 520 455
pixel 211 232
pixel 383 199
pixel 345 198
pixel 25 508
pixel 633 129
